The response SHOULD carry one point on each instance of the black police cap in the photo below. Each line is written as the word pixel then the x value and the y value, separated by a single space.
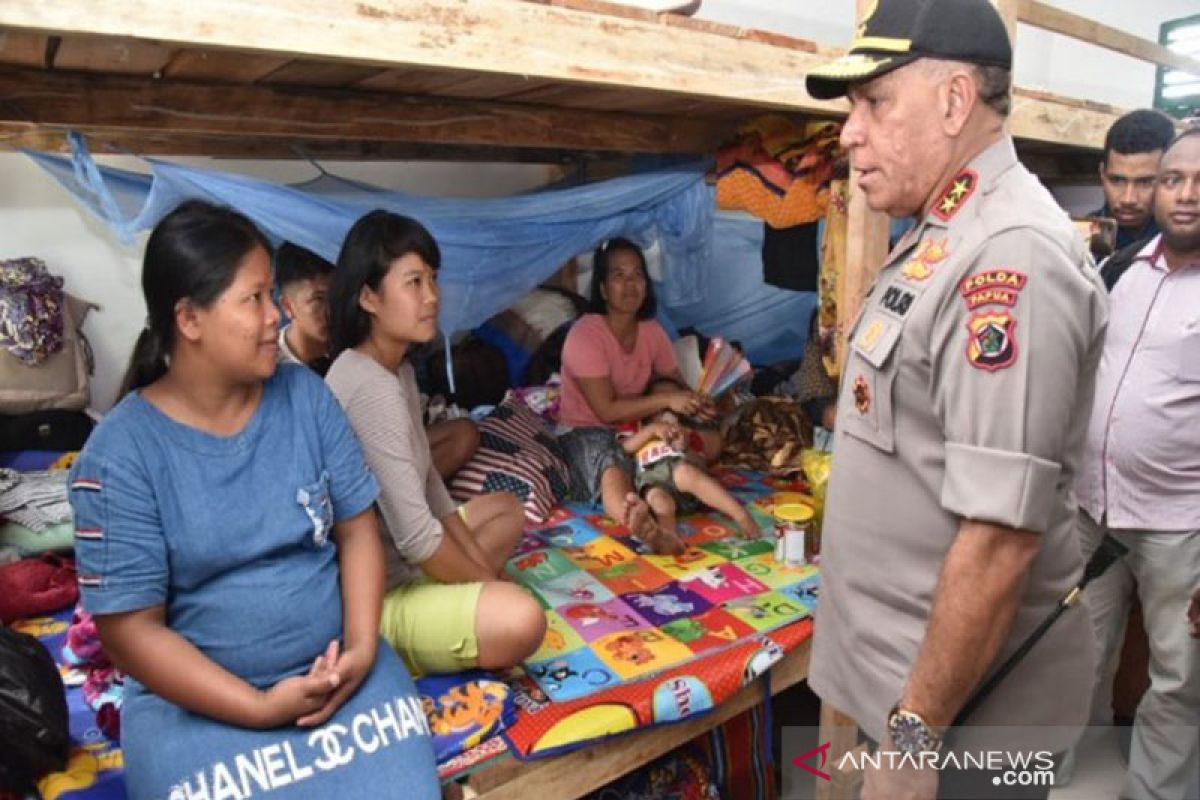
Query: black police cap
pixel 893 33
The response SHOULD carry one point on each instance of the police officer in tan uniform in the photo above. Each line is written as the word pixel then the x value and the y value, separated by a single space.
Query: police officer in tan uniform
pixel 963 403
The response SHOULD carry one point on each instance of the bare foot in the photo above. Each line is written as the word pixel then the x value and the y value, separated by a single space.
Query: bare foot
pixel 663 541
pixel 747 525
pixel 636 514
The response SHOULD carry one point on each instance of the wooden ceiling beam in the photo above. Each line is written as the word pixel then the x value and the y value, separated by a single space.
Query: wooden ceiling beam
pixel 1042 15
pixel 101 141
pixel 547 43
pixel 141 105
pixel 1044 117
pixel 541 41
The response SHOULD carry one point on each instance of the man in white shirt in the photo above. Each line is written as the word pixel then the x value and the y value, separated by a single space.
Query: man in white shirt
pixel 1140 479
pixel 302 278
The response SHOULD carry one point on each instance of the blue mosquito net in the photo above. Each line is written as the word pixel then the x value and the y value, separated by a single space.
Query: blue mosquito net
pixel 494 250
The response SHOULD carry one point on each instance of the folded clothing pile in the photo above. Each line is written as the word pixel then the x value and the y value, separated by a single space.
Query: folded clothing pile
pixel 37 500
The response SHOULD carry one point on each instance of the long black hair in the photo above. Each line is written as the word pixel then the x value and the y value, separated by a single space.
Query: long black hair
pixel 370 248
pixel 600 265
pixel 193 254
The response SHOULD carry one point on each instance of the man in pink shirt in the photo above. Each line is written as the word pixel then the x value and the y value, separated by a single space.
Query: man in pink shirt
pixel 1140 479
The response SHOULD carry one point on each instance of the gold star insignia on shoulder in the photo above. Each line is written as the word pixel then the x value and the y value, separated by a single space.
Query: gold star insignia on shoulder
pixel 955 194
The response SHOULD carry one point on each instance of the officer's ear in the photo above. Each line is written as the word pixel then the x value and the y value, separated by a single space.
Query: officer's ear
pixel 959 95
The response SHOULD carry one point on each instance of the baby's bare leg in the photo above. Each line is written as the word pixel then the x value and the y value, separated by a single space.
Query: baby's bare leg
pixel 708 490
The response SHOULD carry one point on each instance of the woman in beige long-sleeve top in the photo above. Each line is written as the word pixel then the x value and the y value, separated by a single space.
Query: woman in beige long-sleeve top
pixel 447 608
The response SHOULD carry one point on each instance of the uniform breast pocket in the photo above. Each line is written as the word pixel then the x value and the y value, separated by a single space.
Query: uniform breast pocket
pixel 314 499
pixel 865 411
pixel 1189 353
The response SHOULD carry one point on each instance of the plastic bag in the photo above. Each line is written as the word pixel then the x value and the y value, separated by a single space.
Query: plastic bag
pixel 33 713
pixel 816 465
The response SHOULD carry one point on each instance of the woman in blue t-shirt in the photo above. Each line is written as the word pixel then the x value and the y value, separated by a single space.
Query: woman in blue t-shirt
pixel 228 549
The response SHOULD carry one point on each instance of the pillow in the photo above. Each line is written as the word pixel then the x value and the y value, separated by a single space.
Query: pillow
pixel 517 454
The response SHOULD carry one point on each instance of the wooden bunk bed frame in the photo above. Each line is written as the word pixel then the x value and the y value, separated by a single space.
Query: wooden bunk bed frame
pixel 498 80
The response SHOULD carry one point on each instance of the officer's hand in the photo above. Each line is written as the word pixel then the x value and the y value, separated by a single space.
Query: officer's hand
pixel 905 782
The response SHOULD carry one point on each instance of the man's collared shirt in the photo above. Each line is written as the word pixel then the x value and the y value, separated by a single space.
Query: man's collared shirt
pixel 1141 465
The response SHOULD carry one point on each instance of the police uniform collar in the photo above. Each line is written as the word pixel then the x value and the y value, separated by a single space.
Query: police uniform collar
pixel 979 176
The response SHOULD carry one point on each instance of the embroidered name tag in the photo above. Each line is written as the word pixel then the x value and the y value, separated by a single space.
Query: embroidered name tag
pixel 897 300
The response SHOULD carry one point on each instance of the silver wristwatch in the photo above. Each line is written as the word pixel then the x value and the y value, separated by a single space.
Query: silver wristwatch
pixel 911 734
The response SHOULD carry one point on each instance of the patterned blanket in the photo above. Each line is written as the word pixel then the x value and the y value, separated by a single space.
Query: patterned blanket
pixel 634 640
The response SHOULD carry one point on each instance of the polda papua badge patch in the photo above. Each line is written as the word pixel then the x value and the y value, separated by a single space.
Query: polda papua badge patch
pixel 990 342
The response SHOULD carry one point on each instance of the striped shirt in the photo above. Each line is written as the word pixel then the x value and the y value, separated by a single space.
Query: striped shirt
pixel 384 410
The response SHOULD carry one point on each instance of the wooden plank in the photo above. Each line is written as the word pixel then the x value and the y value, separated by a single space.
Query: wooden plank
pixel 866 248
pixel 841 731
pixel 488 86
pixel 565 95
pixel 123 55
pixel 23 49
pixel 459 83
pixel 582 771
pixel 493 36
pixel 407 80
pixel 689 23
pixel 221 66
pixel 1045 117
pixel 1054 19
pixel 87 101
pixel 319 73
pixel 125 142
pixel 635 58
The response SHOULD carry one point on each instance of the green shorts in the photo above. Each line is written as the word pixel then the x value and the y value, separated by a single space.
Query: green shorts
pixel 662 474
pixel 432 625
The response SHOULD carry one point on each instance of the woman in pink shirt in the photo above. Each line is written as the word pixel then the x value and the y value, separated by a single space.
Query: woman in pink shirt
pixel 608 361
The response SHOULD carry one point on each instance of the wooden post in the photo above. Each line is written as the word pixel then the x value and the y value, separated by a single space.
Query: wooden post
pixel 866 248
pixel 841 732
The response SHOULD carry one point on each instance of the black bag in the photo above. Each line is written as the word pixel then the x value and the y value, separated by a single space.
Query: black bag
pixel 33 713
pixel 45 430
pixel 1113 267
